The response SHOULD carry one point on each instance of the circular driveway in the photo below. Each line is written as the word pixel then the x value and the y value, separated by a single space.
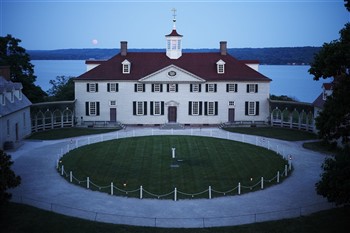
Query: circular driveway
pixel 43 187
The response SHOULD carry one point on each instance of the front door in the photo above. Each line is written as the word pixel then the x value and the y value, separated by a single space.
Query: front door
pixel 172 112
pixel 113 114
pixel 231 115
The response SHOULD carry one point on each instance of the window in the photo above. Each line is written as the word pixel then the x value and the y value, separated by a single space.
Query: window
pixel 157 107
pixel 210 87
pixel 220 67
pixel 231 103
pixel 211 108
pixel 173 44
pixel 140 87
pixel 231 87
pixel 112 87
pixel 112 103
pixel 157 87
pixel 195 108
pixel 126 67
pixel 139 108
pixel 92 87
pixel 251 108
pixel 92 108
pixel 195 87
pixel 252 88
pixel 168 44
pixel 172 87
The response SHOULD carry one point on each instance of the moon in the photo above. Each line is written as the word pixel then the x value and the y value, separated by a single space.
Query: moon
pixel 94 41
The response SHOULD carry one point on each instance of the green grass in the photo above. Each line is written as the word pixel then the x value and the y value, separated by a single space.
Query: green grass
pixel 322 147
pixel 16 218
pixel 61 133
pixel 273 132
pixel 146 161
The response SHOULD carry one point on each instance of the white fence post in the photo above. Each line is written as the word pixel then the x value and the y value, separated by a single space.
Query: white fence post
pixel 262 182
pixel 76 143
pixel 71 176
pixel 112 188
pixel 278 176
pixel 286 170
pixel 62 170
pixel 209 192
pixel 141 196
pixel 239 188
pixel 175 194
pixel 87 182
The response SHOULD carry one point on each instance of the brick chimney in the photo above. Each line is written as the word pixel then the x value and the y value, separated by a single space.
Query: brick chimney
pixel 223 47
pixel 5 72
pixel 123 48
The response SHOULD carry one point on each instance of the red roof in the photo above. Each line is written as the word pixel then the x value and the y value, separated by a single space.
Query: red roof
pixel 174 33
pixel 202 65
pixel 328 86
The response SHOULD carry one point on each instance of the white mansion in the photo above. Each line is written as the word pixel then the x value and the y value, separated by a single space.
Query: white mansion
pixel 153 88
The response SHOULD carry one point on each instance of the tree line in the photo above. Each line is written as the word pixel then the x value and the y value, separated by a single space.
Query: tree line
pixel 270 56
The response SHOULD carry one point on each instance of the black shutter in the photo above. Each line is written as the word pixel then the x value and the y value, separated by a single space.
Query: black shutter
pixel 117 87
pixel 167 87
pixel 152 87
pixel 191 88
pixel 206 87
pixel 190 108
pixel 206 108
pixel 247 88
pixel 200 87
pixel 143 87
pixel 177 87
pixel 216 108
pixel 246 108
pixel 215 87
pixel 256 88
pixel 162 108
pixel 96 87
pixel 227 87
pixel 257 108
pixel 87 87
pixel 134 108
pixel 97 108
pixel 108 87
pixel 145 108
pixel 161 87
pixel 87 108
pixel 151 107
pixel 135 87
pixel 200 107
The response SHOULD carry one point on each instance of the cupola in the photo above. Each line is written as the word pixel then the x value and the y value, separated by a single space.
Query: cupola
pixel 173 41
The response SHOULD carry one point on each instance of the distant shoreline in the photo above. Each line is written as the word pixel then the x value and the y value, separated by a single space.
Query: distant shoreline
pixel 265 56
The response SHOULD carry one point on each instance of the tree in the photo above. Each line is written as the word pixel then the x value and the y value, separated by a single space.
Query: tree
pixel 335 181
pixel 333 123
pixel 8 178
pixel 62 89
pixel 13 55
pixel 333 61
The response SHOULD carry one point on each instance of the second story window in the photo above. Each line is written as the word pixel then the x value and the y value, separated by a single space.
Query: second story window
pixel 92 87
pixel 139 87
pixel 210 87
pixel 252 88
pixel 112 87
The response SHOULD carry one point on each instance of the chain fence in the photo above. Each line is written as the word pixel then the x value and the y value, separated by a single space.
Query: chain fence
pixel 174 194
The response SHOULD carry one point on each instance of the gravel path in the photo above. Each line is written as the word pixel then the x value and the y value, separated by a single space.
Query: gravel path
pixel 43 187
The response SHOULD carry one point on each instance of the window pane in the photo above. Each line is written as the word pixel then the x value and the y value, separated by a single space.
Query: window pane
pixel 139 87
pixel 172 87
pixel 139 108
pixel 195 108
pixel 92 108
pixel 211 108
pixel 251 87
pixel 251 108
pixel 156 108
pixel 92 87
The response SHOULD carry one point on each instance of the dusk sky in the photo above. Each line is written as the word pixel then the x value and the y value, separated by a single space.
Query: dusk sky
pixel 62 24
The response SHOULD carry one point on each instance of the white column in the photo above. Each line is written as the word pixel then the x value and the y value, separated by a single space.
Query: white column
pixel 175 194
pixel 239 188
pixel 209 192
pixel 141 196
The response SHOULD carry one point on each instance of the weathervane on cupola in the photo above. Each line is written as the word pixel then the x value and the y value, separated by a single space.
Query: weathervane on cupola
pixel 173 41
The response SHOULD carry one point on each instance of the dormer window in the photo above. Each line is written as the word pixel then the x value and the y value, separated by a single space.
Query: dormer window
pixel 126 67
pixel 220 67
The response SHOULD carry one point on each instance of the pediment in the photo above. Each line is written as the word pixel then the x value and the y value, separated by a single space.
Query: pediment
pixel 171 74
